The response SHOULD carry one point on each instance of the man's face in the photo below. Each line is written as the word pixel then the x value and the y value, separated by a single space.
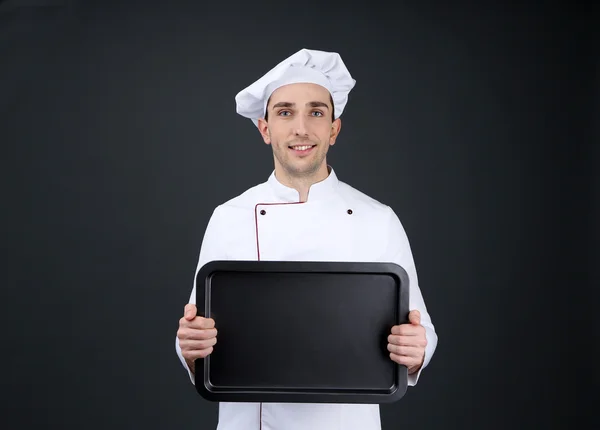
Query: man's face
pixel 300 128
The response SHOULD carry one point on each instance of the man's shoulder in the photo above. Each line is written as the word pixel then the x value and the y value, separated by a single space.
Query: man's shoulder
pixel 361 198
pixel 246 200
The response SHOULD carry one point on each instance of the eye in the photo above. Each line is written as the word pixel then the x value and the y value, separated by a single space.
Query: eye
pixel 318 113
pixel 281 112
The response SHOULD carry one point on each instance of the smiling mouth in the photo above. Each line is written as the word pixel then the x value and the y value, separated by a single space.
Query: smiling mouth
pixel 302 147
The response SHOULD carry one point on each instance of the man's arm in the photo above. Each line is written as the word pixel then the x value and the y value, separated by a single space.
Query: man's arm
pixel 398 251
pixel 210 250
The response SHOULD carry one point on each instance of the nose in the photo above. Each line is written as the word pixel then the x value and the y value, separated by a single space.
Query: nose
pixel 300 128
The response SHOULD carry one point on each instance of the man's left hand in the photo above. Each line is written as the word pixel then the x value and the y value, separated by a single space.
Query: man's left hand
pixel 407 342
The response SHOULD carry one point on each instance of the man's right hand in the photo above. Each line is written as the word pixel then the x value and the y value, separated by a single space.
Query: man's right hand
pixel 197 336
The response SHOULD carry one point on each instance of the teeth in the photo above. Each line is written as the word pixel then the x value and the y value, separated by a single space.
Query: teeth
pixel 302 148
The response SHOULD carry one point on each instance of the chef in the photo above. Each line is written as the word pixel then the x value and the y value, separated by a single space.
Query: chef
pixel 304 212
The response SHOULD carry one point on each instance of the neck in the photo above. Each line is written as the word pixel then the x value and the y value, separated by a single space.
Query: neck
pixel 301 183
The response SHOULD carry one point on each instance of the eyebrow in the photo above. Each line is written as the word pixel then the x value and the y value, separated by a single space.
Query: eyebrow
pixel 290 105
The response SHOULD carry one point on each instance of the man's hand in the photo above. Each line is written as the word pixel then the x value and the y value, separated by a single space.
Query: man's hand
pixel 407 343
pixel 197 336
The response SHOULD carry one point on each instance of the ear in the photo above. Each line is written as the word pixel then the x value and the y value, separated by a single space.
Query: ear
pixel 263 128
pixel 336 127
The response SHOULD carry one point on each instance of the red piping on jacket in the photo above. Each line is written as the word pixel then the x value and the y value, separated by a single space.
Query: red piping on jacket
pixel 256 221
pixel 258 258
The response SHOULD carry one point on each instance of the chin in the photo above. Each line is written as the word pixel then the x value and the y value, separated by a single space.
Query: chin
pixel 303 170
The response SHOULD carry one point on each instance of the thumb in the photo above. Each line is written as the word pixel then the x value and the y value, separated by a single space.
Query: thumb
pixel 414 317
pixel 189 311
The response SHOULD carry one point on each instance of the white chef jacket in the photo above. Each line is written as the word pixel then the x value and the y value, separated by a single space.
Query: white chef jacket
pixel 336 223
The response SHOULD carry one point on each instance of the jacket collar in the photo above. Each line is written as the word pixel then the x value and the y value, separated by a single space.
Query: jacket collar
pixel 318 191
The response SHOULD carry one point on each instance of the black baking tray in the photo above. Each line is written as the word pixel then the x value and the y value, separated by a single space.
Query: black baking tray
pixel 302 332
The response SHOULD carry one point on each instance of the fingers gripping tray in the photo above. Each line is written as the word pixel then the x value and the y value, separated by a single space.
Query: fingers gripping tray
pixel 302 332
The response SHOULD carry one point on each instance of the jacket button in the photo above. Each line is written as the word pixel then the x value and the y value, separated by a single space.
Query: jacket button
pixel 263 212
pixel 349 211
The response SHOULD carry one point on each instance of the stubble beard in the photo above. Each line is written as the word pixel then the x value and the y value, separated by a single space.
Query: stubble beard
pixel 300 172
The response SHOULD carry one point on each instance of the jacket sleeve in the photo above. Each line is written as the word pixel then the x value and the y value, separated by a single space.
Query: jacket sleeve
pixel 398 251
pixel 211 249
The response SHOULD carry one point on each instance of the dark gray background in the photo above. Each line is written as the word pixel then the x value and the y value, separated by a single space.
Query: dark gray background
pixel 476 121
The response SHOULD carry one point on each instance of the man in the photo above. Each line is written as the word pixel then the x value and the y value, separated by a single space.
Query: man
pixel 304 212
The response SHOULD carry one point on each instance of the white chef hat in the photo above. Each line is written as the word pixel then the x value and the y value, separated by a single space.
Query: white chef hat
pixel 307 66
